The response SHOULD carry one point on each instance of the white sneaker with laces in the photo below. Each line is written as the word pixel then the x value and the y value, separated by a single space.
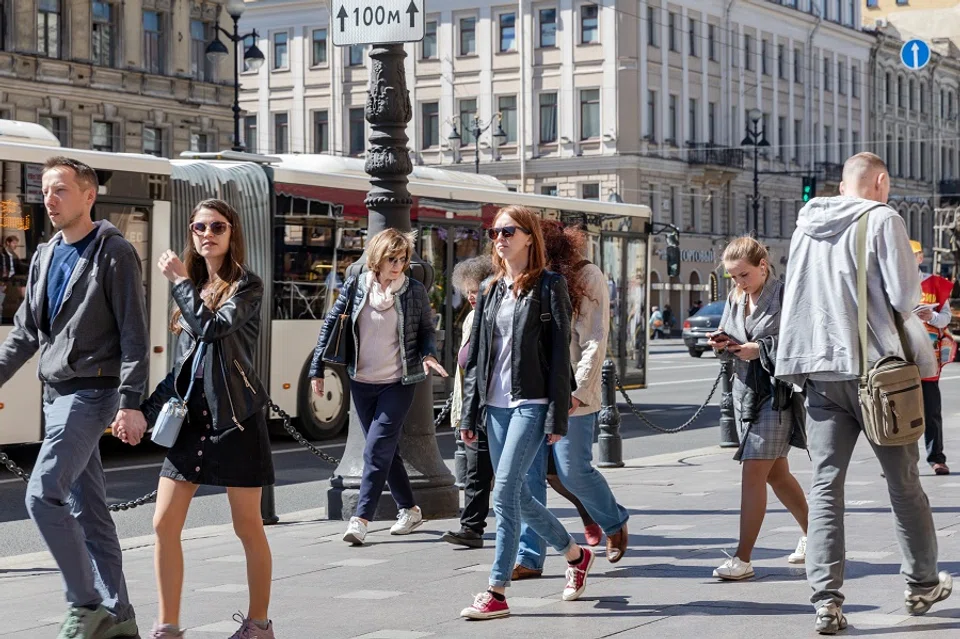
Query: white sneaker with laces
pixel 919 603
pixel 356 532
pixel 830 619
pixel 408 520
pixel 799 555
pixel 734 570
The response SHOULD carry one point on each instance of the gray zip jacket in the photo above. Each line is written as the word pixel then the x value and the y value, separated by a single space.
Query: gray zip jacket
pixel 101 328
pixel 818 322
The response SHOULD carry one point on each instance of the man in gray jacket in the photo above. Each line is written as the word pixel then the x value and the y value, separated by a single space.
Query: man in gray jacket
pixel 85 311
pixel 819 350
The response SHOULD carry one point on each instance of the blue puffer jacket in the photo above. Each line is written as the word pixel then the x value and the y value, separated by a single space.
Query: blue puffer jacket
pixel 414 324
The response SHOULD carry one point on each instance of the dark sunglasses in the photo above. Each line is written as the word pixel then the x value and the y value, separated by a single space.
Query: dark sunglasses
pixel 506 231
pixel 217 228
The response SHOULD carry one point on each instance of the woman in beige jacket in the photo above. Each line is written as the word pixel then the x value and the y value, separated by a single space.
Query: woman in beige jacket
pixel 573 455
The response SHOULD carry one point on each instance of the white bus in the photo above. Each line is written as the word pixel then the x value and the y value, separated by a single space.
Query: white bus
pixel 305 223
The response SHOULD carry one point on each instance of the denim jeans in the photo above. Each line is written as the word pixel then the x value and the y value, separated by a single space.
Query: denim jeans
pixel 574 459
pixel 515 436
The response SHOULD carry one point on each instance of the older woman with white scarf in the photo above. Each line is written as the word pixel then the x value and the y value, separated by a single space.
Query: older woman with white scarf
pixel 769 417
pixel 383 304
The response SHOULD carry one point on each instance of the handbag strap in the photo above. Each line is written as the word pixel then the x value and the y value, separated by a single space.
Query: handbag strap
pixel 197 358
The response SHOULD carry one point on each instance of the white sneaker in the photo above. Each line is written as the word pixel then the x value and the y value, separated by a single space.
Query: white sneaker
pixel 356 532
pixel 734 570
pixel 799 555
pixel 918 603
pixel 830 619
pixel 408 520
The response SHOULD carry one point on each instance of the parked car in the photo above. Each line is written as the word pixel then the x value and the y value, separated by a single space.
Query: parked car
pixel 696 327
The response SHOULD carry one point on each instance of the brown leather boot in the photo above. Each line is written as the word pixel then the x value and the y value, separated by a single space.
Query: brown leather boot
pixel 617 545
pixel 521 572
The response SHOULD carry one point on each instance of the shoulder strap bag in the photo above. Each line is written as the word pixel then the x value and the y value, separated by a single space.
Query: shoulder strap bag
pixel 337 350
pixel 891 396
pixel 170 420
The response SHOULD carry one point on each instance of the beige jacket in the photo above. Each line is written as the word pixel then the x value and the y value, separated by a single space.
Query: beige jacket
pixel 588 339
pixel 456 407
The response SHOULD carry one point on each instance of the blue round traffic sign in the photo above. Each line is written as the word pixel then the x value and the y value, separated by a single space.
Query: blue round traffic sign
pixel 915 54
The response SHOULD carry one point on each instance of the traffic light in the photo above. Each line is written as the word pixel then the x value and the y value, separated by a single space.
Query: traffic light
pixel 673 253
pixel 809 188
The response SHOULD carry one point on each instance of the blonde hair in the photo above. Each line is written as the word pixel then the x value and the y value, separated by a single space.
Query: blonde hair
pixel 389 243
pixel 748 249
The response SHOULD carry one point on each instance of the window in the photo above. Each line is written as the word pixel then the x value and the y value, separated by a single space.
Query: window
pixel 764 57
pixel 281 131
pixel 888 88
pixel 48 28
pixel 355 55
pixel 153 141
pixel 747 52
pixel 782 61
pixel 201 68
pixel 103 37
pixel 200 142
pixel 828 143
pixel 358 132
pixel 280 57
pixel 923 103
pixel 890 152
pixel 468 112
pixel 250 133
pixel 672 122
pixel 692 42
pixel 430 125
pixel 841 144
pixel 590 191
pixel 841 79
pixel 712 42
pixel 782 139
pixel 589 114
pixel 712 122
pixel 589 24
pixel 101 137
pixel 826 74
pixel 855 80
pixel 651 126
pixel 428 48
pixel 674 39
pixel 694 107
pixel 507 105
pixel 548 118
pixel 57 126
pixel 912 96
pixel 900 92
pixel 797 136
pixel 154 42
pixel 548 28
pixel 321 132
pixel 549 189
pixel 508 32
pixel 319 47
pixel 468 36
pixel 652 31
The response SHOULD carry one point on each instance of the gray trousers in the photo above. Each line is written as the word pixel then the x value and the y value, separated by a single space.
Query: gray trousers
pixel 66 498
pixel 834 422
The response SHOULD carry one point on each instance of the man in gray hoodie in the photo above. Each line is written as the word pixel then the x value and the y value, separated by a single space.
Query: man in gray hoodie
pixel 85 311
pixel 819 351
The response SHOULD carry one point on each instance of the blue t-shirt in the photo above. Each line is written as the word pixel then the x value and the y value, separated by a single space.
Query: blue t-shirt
pixel 65 258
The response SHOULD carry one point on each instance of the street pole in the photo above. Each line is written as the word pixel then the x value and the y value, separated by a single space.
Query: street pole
pixel 729 437
pixel 476 147
pixel 756 187
pixel 388 202
pixel 237 146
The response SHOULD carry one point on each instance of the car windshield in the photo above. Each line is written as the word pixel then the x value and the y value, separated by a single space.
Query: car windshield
pixel 713 308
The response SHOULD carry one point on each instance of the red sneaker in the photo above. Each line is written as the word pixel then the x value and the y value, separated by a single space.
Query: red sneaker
pixel 577 576
pixel 594 534
pixel 486 606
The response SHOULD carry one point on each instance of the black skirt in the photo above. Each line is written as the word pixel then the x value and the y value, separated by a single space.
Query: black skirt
pixel 232 457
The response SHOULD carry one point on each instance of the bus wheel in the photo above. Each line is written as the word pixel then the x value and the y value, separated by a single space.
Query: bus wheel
pixel 324 417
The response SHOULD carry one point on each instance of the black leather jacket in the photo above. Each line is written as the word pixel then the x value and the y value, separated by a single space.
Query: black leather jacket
pixel 414 318
pixel 540 362
pixel 233 389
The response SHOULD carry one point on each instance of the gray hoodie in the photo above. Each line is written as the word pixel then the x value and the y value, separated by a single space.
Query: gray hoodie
pixel 101 328
pixel 818 326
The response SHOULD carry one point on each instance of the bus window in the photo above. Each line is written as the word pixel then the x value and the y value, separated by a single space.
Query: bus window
pixel 22 225
pixel 134 222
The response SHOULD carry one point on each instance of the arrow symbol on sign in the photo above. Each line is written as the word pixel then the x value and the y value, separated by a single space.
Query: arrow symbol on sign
pixel 413 11
pixel 916 55
pixel 342 17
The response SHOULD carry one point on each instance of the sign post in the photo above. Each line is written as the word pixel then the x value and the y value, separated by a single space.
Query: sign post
pixel 385 24
pixel 915 54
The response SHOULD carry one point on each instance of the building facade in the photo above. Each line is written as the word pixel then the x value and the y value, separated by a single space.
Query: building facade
pixel 117 76
pixel 644 100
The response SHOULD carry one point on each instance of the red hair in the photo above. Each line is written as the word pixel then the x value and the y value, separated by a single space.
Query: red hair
pixel 529 221
pixel 564 246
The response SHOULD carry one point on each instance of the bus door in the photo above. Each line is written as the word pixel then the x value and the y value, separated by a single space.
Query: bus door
pixel 623 259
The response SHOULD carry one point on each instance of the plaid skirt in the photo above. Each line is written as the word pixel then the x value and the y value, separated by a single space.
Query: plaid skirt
pixel 766 438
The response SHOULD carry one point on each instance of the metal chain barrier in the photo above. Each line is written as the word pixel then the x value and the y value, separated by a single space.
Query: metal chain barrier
pixel 643 418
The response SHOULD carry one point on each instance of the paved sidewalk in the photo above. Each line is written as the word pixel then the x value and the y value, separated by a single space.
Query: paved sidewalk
pixel 684 512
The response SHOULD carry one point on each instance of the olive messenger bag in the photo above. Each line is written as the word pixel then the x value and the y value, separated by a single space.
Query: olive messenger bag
pixel 891 395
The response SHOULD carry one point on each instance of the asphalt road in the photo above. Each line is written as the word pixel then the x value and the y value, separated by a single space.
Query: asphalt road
pixel 678 385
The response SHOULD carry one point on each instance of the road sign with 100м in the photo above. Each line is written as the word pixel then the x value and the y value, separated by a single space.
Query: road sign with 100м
pixel 376 21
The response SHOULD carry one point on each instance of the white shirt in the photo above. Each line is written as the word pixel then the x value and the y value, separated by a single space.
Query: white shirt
pixel 500 387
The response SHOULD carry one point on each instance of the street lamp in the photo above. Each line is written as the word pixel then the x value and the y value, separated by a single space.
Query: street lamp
pixel 252 57
pixel 477 129
pixel 757 138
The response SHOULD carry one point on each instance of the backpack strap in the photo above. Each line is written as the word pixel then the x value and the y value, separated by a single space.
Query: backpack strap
pixel 546 298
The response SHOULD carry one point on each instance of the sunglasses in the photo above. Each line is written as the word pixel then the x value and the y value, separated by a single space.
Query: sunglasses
pixel 217 228
pixel 506 231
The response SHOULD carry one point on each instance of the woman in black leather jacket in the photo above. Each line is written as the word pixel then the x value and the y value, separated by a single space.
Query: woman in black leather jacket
pixel 518 371
pixel 223 440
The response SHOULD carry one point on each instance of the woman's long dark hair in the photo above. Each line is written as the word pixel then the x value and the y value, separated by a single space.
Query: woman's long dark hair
pixel 564 254
pixel 230 272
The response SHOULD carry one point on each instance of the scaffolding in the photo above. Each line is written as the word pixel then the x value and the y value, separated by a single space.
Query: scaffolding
pixel 946 243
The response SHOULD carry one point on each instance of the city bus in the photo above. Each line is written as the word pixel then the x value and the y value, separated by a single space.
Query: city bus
pixel 305 223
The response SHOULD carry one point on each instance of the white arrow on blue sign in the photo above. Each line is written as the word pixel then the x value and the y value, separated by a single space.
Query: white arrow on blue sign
pixel 915 54
pixel 376 21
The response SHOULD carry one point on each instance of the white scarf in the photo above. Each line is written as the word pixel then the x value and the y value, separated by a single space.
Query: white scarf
pixel 379 298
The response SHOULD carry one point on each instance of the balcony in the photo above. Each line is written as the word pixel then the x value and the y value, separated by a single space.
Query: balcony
pixel 829 171
pixel 949 191
pixel 714 155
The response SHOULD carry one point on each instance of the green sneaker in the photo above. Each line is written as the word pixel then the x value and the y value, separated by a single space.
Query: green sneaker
pixel 123 630
pixel 82 623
